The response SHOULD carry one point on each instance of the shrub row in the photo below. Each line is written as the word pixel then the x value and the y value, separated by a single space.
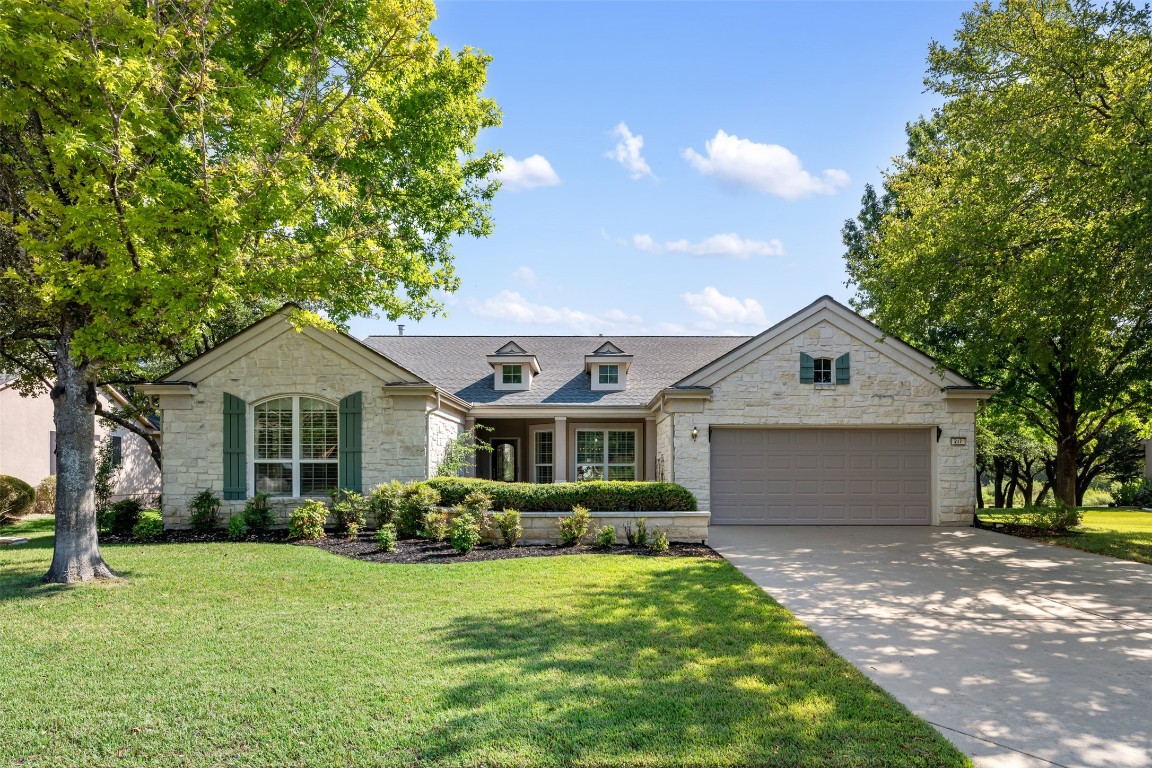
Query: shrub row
pixel 599 495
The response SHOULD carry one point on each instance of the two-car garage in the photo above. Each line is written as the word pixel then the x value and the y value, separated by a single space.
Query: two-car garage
pixel 821 476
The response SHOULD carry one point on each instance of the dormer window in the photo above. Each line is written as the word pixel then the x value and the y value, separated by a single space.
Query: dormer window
pixel 512 368
pixel 607 368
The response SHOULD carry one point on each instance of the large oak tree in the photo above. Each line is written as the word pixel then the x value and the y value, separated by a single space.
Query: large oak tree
pixel 1013 241
pixel 163 161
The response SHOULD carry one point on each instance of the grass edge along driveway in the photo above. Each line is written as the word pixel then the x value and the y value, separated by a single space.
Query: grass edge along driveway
pixel 259 654
pixel 1117 532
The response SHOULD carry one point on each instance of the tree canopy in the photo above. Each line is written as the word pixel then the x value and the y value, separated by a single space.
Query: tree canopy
pixel 164 162
pixel 1013 240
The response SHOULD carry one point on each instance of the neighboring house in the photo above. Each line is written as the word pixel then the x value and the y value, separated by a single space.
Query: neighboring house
pixel 28 442
pixel 818 420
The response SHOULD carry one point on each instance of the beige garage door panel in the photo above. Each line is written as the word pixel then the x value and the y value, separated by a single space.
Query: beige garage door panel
pixel 821 476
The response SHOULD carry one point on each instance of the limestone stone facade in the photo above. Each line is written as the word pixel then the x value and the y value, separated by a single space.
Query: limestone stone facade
pixel 418 393
pixel 395 422
pixel 882 392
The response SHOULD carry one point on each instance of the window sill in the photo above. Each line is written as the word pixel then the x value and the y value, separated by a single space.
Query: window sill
pixel 823 386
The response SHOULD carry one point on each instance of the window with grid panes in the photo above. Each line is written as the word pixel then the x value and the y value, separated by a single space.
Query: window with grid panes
pixel 295 446
pixel 605 454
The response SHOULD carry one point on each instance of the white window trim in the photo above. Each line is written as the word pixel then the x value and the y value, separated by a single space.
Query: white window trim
pixel 637 431
pixel 250 447
pixel 534 464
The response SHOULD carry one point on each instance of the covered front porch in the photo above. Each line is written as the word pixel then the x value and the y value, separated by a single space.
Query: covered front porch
pixel 548 447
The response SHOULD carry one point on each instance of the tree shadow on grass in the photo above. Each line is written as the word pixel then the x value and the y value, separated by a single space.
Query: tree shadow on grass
pixel 20 575
pixel 683 665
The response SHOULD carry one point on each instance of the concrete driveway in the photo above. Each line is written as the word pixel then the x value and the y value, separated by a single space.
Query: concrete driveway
pixel 1020 653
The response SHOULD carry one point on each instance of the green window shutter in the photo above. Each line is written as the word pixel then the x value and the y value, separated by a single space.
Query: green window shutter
pixel 235 440
pixel 807 375
pixel 843 369
pixel 351 414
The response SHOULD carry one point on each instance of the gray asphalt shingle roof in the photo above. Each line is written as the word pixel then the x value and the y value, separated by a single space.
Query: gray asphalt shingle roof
pixel 457 365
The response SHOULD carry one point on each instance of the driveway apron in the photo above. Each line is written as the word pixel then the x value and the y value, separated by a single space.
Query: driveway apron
pixel 1022 654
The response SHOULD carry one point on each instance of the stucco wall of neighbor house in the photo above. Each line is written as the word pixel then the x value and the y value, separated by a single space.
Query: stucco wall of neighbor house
pixel 25 436
pixel 442 430
pixel 26 426
pixel 393 429
pixel 882 392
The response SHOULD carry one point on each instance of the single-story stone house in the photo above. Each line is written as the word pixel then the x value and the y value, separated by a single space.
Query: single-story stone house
pixel 819 420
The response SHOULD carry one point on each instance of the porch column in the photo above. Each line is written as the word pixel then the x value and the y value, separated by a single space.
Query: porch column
pixel 649 448
pixel 560 450
pixel 469 469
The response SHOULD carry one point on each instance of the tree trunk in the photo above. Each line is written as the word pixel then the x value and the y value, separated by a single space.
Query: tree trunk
pixel 998 483
pixel 979 491
pixel 76 556
pixel 1067 450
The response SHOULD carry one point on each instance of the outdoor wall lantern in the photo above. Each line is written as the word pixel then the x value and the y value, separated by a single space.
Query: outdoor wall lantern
pixel 695 432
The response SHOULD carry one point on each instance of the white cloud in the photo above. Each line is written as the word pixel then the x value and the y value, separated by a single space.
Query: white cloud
pixel 532 171
pixel 725 246
pixel 767 168
pixel 627 152
pixel 525 275
pixel 715 307
pixel 510 305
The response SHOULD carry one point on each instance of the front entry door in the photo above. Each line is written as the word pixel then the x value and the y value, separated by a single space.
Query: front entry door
pixel 505 466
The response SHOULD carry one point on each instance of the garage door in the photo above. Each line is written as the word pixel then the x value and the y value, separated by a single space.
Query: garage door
pixel 821 476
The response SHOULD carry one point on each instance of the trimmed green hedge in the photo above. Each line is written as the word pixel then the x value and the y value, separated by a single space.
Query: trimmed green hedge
pixel 596 495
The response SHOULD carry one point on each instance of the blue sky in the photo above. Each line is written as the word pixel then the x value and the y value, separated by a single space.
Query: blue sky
pixel 760 124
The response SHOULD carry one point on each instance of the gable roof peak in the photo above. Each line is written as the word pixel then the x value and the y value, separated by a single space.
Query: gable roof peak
pixel 511 348
pixel 608 348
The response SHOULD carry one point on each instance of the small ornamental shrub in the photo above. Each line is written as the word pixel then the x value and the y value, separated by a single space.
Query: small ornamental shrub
pixel 659 541
pixel 574 527
pixel 602 495
pixel 386 537
pixel 119 518
pixel 637 537
pixel 606 536
pixel 508 523
pixel 1138 494
pixel 436 525
pixel 307 520
pixel 1055 519
pixel 465 534
pixel 385 502
pixel 237 527
pixel 419 500
pixel 478 503
pixel 45 503
pixel 16 498
pixel 204 511
pixel 348 508
pixel 149 526
pixel 257 514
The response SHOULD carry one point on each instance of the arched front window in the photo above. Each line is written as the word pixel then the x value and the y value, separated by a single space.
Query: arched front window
pixel 295 446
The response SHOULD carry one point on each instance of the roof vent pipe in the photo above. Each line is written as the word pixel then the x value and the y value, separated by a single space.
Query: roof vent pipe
pixel 401 329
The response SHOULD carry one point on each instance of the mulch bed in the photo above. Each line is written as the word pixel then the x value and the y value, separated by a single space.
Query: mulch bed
pixel 1027 531
pixel 423 551
pixel 416 551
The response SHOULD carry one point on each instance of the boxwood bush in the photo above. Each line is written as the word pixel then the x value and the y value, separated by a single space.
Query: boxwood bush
pixel 597 495
pixel 16 498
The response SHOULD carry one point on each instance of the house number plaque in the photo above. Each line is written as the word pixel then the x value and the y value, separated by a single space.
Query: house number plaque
pixel 959 441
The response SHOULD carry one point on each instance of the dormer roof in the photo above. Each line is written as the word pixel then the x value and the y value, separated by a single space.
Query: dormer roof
pixel 513 354
pixel 607 354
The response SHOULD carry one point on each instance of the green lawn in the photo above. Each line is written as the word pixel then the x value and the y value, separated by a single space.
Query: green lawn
pixel 262 655
pixel 1123 533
